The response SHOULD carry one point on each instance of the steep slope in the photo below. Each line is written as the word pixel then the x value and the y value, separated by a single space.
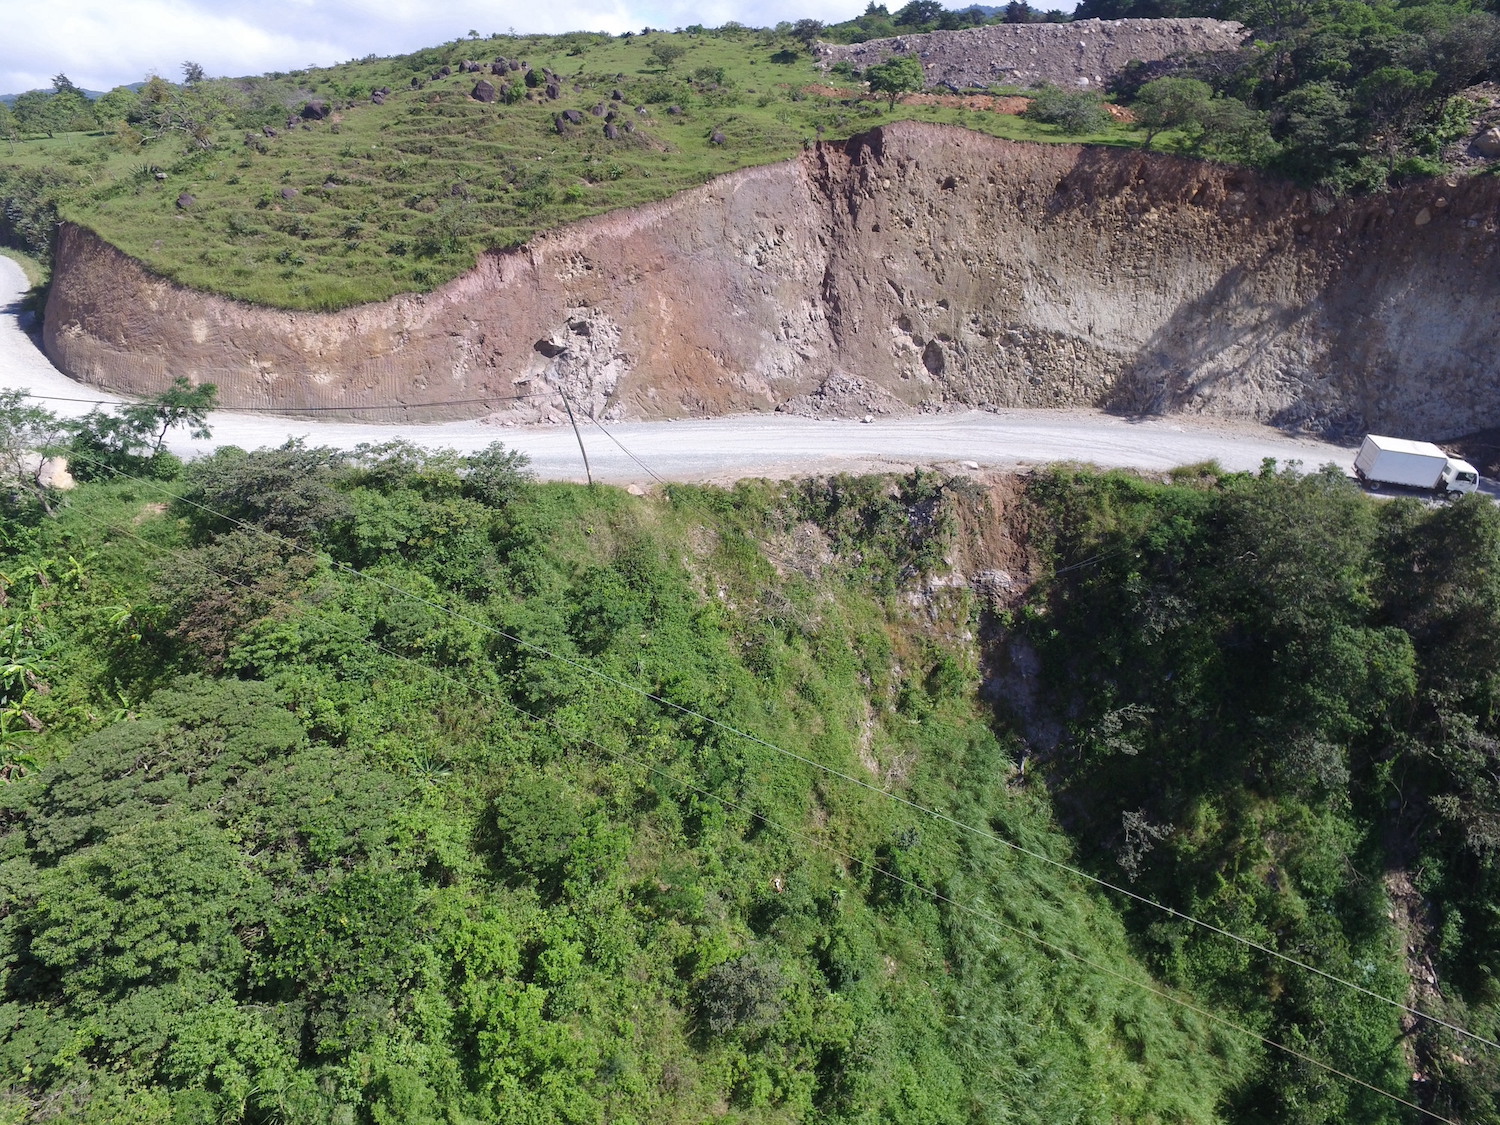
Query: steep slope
pixel 920 265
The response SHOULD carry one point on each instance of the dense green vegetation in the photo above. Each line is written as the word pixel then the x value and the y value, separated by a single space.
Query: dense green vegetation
pixel 1282 714
pixel 283 843
pixel 1345 94
pixel 392 786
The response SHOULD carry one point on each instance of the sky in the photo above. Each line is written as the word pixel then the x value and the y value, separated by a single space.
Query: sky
pixel 100 44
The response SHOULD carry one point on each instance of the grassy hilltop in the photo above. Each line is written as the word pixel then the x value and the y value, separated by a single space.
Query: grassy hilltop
pixel 383 199
pixel 371 199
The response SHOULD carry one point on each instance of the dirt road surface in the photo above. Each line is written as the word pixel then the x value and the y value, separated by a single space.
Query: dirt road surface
pixel 722 450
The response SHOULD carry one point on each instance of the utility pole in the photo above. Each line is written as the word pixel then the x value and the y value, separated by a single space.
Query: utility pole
pixel 579 436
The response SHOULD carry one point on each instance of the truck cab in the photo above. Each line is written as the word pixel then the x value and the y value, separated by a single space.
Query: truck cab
pixel 1459 477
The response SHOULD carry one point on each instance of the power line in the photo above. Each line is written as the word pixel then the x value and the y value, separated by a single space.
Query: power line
pixel 875 868
pixel 827 770
pixel 655 476
pixel 232 409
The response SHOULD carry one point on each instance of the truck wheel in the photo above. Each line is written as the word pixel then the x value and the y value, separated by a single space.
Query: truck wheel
pixel 1372 485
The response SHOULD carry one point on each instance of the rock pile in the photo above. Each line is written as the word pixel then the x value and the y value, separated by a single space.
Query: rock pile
pixel 1083 54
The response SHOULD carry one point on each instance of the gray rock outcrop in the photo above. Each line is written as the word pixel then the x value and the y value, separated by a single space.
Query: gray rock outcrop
pixel 1085 54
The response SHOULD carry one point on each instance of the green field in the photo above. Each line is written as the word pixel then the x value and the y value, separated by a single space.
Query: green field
pixel 400 197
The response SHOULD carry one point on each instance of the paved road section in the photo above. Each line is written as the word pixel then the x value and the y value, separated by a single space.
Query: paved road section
pixel 722 450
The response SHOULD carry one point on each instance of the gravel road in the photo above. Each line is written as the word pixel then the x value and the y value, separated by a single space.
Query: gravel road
pixel 722 450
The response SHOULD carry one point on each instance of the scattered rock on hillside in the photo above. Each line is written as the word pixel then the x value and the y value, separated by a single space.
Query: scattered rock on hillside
pixel 716 138
pixel 482 92
pixel 611 133
pixel 377 98
pixel 616 96
pixel 598 110
pixel 443 72
pixel 288 193
pixel 469 66
pixel 315 110
pixel 675 110
pixel 270 132
pixel 513 64
pixel 185 201
pixel 560 126
pixel 1487 144
pixel 554 91
pixel 573 116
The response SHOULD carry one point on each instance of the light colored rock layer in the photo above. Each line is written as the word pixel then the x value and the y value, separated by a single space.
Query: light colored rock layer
pixel 923 265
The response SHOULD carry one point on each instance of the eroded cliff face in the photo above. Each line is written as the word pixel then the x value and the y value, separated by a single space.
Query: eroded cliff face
pixel 914 267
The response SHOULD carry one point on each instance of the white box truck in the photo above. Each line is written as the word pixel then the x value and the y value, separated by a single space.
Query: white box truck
pixel 1413 464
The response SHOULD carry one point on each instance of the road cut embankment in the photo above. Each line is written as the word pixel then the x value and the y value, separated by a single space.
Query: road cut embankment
pixel 912 268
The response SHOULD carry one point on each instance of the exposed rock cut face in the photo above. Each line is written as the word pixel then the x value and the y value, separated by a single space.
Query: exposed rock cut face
pixel 936 267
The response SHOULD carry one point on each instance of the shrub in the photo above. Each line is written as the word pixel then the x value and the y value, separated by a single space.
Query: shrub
pixel 743 995
pixel 1073 112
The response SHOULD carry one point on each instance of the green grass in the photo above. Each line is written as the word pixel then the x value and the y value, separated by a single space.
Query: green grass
pixel 401 197
pixel 34 268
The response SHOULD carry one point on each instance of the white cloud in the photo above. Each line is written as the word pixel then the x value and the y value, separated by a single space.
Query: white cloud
pixel 104 43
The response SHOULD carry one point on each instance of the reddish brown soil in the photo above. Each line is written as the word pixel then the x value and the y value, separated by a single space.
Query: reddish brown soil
pixel 1010 106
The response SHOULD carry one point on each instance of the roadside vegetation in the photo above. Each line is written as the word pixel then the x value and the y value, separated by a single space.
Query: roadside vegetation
pixel 333 793
pixel 394 786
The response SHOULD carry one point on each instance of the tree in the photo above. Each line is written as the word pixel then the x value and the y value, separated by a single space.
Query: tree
pixel 919 13
pixel 37 112
pixel 29 434
pixel 894 77
pixel 130 439
pixel 1018 11
pixel 807 31
pixel 181 404
pixel 194 111
pixel 664 53
pixel 61 84
pixel 192 73
pixel 73 112
pixel 1171 103
pixel 10 128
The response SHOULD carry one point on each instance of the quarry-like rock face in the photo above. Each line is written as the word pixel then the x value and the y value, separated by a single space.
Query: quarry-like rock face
pixel 914 267
pixel 1084 54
